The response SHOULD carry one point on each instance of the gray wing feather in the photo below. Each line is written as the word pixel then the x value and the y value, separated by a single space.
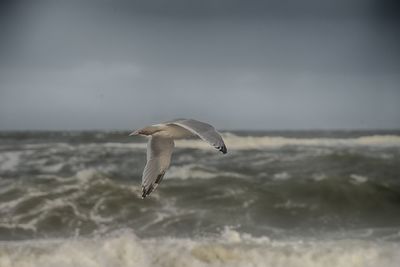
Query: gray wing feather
pixel 159 150
pixel 204 130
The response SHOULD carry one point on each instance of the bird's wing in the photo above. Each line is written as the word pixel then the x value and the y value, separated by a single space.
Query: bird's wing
pixel 203 130
pixel 159 150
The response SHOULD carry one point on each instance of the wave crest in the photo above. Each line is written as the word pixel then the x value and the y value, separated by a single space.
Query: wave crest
pixel 250 142
pixel 231 248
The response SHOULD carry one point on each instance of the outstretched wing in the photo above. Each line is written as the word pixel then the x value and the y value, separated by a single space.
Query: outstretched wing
pixel 204 131
pixel 159 150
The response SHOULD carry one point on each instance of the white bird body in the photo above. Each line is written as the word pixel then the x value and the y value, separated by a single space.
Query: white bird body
pixel 161 144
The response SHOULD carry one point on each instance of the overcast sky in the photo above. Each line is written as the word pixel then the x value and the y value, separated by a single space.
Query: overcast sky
pixel 237 64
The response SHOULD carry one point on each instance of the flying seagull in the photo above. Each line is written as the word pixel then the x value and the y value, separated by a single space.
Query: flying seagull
pixel 161 144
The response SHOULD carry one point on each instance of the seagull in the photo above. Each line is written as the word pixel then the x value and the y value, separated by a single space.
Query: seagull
pixel 161 143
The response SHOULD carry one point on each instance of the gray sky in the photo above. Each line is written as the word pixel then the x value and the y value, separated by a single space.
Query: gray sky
pixel 237 64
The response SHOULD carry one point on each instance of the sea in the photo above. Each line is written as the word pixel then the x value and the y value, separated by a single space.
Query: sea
pixel 277 198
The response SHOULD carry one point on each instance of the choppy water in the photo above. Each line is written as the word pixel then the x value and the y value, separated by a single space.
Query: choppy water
pixel 276 199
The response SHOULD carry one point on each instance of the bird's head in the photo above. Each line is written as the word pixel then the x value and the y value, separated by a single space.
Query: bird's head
pixel 136 132
pixel 145 131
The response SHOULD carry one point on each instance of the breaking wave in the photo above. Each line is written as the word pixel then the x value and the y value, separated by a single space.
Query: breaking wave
pixel 196 171
pixel 251 142
pixel 232 141
pixel 230 248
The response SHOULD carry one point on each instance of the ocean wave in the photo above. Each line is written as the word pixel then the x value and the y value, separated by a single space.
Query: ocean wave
pixel 230 248
pixel 124 145
pixel 62 146
pixel 319 177
pixel 358 179
pixel 281 176
pixel 191 171
pixel 250 142
pixel 59 203
pixel 90 200
pixel 9 160
pixel 238 143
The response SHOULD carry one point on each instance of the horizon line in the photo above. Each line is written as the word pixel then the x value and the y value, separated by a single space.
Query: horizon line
pixel 220 130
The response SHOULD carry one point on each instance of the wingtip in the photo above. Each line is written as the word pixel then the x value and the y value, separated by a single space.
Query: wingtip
pixel 223 149
pixel 146 192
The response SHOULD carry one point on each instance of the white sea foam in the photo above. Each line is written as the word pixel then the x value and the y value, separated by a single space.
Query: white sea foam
pixel 291 205
pixel 281 176
pixel 231 248
pixel 94 212
pixel 190 171
pixel 86 174
pixel 9 160
pixel 52 168
pixel 54 146
pixel 358 179
pixel 319 177
pixel 125 145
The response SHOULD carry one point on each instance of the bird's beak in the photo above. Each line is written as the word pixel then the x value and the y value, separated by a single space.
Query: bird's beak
pixel 134 133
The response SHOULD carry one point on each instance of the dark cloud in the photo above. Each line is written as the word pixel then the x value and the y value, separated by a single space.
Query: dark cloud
pixel 387 10
pixel 243 9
